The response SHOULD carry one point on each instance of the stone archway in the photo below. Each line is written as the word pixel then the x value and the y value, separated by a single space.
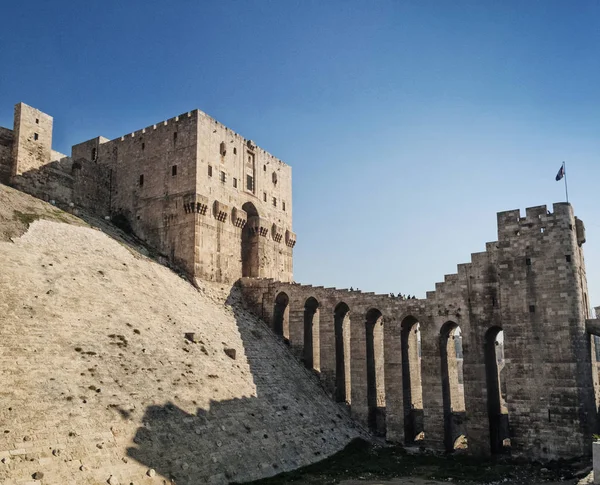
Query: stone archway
pixel 412 390
pixel 281 318
pixel 453 387
pixel 311 334
pixel 250 241
pixel 496 403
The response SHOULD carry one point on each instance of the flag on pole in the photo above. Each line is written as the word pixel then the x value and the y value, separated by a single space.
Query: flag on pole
pixel 561 173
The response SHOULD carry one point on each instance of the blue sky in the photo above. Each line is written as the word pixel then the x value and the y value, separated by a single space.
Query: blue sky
pixel 408 124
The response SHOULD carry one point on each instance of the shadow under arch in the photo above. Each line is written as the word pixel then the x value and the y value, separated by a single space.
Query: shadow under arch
pixel 281 316
pixel 375 371
pixel 343 385
pixel 452 387
pixel 412 389
pixel 250 241
pixel 311 353
pixel 496 404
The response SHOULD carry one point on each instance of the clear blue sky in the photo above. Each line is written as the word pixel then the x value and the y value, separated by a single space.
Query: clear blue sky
pixel 408 124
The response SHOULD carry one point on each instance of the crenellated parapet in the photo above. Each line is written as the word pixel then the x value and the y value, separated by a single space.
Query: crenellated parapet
pixel 536 222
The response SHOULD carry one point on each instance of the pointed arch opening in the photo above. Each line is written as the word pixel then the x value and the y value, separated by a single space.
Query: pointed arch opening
pixel 412 390
pixel 250 240
pixel 311 334
pixel 342 392
pixel 375 372
pixel 451 350
pixel 496 391
pixel 281 316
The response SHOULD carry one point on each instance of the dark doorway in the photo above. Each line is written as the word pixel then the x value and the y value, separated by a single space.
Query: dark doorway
pixel 342 391
pixel 281 322
pixel 496 403
pixel 250 240
pixel 375 373
pixel 311 334
pixel 412 390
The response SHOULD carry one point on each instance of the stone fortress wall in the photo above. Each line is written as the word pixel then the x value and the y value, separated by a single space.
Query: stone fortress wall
pixel 498 358
pixel 537 401
pixel 209 200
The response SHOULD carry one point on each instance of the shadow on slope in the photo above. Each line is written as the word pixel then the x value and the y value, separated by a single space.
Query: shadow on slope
pixel 370 464
pixel 289 423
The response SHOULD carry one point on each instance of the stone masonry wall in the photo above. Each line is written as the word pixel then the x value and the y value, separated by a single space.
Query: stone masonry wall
pixel 223 170
pixel 182 184
pixel 530 284
pixel 6 146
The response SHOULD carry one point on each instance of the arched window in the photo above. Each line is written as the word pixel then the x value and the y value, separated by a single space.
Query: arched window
pixel 452 387
pixel 281 318
pixel 412 390
pixel 496 392
pixel 311 334
pixel 343 387
pixel 375 371
pixel 250 241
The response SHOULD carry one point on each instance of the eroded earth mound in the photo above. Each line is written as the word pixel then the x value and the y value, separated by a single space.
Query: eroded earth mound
pixel 100 384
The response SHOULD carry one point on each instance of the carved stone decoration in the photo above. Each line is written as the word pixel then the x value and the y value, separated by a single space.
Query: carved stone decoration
pixel 276 233
pixel 258 226
pixel 290 238
pixel 195 203
pixel 220 211
pixel 239 217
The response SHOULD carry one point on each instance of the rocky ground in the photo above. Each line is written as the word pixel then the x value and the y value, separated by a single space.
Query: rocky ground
pixel 363 463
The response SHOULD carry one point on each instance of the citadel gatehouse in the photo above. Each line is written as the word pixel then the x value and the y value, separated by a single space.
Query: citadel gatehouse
pixel 212 202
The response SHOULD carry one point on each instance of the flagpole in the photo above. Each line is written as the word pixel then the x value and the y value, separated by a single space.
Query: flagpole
pixel 566 188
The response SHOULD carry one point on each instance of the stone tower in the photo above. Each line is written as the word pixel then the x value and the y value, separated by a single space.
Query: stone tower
pixel 32 139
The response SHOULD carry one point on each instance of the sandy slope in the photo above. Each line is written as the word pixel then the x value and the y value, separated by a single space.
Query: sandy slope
pixel 98 381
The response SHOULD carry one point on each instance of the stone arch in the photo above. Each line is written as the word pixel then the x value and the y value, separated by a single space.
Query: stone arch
pixel 250 241
pixel 412 390
pixel 281 316
pixel 343 387
pixel 452 387
pixel 375 371
pixel 311 334
pixel 496 402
